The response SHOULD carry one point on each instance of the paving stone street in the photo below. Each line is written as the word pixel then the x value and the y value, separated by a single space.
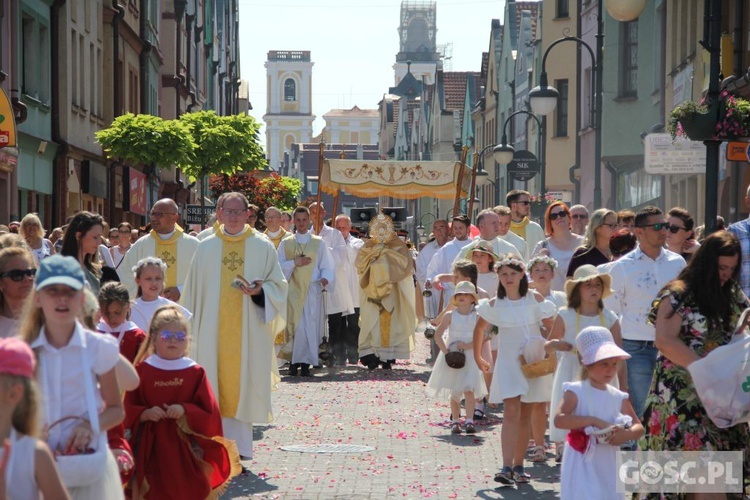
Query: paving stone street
pixel 413 454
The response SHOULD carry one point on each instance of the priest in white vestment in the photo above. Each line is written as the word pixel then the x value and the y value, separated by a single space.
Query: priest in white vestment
pixel 309 267
pixel 168 242
pixel 340 298
pixel 233 327
pixel 488 224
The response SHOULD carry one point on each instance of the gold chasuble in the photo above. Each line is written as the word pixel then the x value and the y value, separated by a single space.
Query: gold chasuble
pixel 233 335
pixel 166 250
pixel 230 323
pixel 387 317
pixel 283 233
pixel 299 282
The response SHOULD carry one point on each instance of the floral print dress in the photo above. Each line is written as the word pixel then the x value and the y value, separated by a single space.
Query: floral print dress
pixel 674 418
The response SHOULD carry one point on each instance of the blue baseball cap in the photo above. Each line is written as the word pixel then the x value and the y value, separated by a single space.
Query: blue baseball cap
pixel 59 270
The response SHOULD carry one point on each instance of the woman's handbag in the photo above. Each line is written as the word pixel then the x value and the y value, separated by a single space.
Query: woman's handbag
pixel 89 467
pixel 455 359
pixel 722 382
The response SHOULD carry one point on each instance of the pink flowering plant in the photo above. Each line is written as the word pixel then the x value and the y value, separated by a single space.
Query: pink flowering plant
pixel 542 199
pixel 731 121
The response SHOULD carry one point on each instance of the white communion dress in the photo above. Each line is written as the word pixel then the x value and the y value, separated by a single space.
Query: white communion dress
pixel 568 366
pixel 453 382
pixel 518 324
pixel 592 474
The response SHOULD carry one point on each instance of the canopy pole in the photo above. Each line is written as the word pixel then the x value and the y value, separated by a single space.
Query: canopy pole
pixel 316 222
pixel 460 182
pixel 336 196
pixel 473 186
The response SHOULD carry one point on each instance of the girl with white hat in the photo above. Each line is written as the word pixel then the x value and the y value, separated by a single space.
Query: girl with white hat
pixel 465 382
pixel 600 419
pixel 585 292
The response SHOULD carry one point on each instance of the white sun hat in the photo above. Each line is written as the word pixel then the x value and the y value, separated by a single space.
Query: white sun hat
pixel 595 343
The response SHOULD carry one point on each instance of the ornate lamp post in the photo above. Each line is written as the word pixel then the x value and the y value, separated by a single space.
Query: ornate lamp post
pixel 543 98
pixel 504 152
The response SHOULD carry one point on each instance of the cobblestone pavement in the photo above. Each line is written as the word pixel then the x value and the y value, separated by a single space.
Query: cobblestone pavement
pixel 414 455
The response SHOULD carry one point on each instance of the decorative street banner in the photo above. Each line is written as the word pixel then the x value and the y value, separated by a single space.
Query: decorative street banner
pixel 400 179
pixel 7 122
pixel 136 192
pixel 524 166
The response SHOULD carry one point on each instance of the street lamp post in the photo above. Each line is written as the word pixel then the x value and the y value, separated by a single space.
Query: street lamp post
pixel 479 170
pixel 504 152
pixel 543 98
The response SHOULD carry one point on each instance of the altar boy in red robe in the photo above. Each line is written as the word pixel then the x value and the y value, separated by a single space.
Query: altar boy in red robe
pixel 174 420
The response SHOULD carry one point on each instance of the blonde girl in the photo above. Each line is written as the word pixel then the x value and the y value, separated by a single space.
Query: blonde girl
pixel 149 277
pixel 541 271
pixel 174 419
pixel 517 312
pixel 29 470
pixel 465 382
pixel 590 406
pixel 585 291
pixel 76 373
pixel 32 231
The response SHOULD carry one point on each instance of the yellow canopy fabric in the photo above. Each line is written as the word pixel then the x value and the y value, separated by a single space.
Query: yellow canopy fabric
pixel 399 179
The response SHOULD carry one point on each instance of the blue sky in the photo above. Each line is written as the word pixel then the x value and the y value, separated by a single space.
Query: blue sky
pixel 353 45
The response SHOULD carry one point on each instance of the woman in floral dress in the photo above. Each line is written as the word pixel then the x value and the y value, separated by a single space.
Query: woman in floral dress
pixel 694 314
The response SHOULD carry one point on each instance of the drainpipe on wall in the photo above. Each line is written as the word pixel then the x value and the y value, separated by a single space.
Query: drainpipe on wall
pixel 577 194
pixel 143 57
pixel 60 168
pixel 117 104
pixel 189 20
pixel 613 183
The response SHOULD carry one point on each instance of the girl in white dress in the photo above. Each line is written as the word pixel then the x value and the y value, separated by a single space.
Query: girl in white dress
pixel 585 292
pixel 541 270
pixel 27 469
pixel 484 257
pixel 516 312
pixel 465 382
pixel 590 466
pixel 149 276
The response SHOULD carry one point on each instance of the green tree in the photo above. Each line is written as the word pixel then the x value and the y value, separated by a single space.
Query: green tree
pixel 147 140
pixel 224 145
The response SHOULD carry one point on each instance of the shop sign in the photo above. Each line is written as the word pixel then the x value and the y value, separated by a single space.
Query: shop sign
pixel 738 151
pixel 94 178
pixel 7 122
pixel 664 156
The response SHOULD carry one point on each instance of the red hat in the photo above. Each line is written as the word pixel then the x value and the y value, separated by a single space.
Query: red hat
pixel 16 358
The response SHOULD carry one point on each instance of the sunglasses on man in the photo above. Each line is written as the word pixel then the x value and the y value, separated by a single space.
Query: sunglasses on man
pixel 659 226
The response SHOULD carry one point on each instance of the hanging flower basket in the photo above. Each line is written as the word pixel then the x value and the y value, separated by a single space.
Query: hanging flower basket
pixel 725 119
pixel 539 205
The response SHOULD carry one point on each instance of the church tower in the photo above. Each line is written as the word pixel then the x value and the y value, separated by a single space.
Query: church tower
pixel 417 34
pixel 288 117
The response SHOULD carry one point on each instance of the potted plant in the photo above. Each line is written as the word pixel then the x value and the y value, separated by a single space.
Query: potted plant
pixel 539 204
pixel 727 118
